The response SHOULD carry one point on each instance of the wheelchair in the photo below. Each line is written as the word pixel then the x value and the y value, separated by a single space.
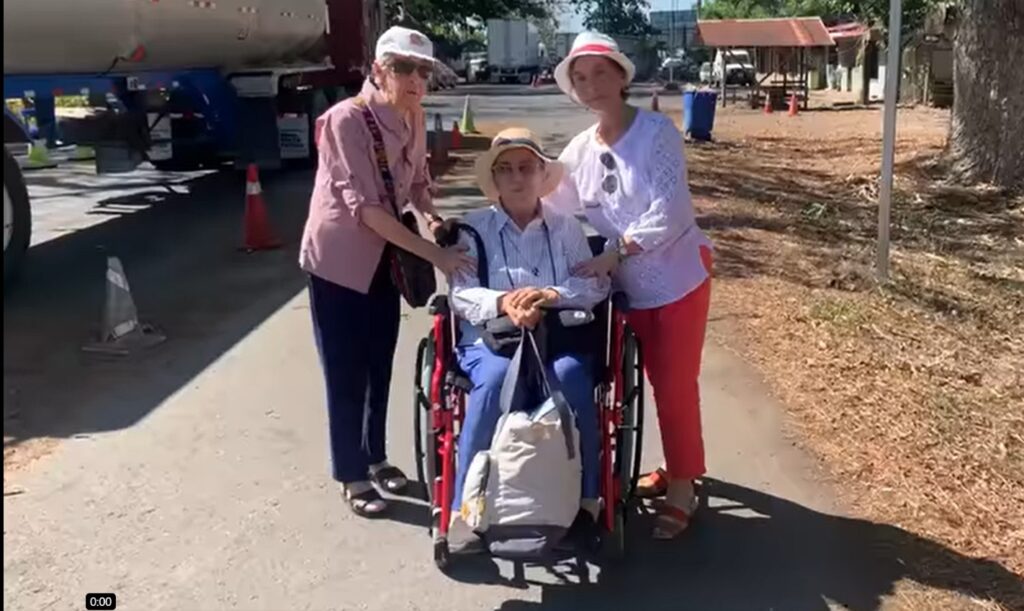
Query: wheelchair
pixel 441 390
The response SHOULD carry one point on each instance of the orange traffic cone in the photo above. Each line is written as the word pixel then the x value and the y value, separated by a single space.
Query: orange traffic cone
pixel 793 110
pixel 456 135
pixel 768 104
pixel 258 235
pixel 654 102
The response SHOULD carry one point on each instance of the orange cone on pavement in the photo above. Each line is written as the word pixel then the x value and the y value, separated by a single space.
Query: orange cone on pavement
pixel 655 106
pixel 768 104
pixel 258 234
pixel 456 135
pixel 793 109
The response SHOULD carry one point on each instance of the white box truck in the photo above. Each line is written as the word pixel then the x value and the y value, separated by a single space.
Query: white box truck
pixel 513 51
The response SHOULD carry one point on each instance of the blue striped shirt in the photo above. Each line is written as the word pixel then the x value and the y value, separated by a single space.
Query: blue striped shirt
pixel 527 261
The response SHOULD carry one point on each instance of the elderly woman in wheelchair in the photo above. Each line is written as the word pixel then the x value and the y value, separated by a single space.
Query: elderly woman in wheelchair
pixel 528 252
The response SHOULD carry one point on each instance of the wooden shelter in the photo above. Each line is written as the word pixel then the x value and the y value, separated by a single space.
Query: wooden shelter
pixel 781 50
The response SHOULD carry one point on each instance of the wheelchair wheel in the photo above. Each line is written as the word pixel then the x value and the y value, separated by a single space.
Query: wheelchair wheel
pixel 613 547
pixel 442 556
pixel 422 437
pixel 630 434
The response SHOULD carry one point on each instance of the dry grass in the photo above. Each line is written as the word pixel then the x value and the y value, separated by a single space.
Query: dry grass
pixel 913 391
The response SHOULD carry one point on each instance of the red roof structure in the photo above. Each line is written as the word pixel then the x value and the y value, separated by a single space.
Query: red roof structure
pixel 848 30
pixel 792 32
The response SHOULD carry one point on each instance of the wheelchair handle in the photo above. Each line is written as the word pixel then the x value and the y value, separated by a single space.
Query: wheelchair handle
pixel 446 237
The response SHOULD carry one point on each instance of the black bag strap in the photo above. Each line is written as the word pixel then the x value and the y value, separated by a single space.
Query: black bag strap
pixel 515 389
pixel 380 153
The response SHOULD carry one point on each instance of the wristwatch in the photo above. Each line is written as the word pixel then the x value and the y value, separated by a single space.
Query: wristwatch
pixel 620 249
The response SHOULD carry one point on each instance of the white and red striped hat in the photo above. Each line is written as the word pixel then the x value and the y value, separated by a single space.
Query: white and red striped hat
pixel 591 43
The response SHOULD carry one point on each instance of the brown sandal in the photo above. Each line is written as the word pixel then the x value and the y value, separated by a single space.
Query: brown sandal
pixel 652 485
pixel 673 521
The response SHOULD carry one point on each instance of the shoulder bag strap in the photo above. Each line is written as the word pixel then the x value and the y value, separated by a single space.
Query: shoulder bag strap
pixel 381 154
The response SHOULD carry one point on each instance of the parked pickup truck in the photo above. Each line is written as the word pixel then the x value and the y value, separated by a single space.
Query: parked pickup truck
pixel 735 67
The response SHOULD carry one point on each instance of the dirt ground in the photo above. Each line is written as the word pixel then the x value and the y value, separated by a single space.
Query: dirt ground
pixel 910 391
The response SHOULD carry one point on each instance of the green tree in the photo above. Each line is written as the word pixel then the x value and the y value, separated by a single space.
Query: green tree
pixel 762 9
pixel 628 17
pixel 454 25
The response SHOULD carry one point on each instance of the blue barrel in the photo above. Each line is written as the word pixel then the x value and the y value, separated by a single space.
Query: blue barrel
pixel 699 113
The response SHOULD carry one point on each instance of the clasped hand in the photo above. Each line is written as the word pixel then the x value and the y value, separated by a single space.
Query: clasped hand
pixel 524 306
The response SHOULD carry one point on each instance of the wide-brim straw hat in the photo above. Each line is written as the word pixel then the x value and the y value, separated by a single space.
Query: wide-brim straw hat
pixel 509 140
pixel 591 43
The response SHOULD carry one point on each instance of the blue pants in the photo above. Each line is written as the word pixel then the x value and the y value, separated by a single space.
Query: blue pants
pixel 487 372
pixel 356 336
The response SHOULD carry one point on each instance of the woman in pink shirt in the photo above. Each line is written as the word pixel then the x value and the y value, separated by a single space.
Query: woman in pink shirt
pixel 629 173
pixel 355 306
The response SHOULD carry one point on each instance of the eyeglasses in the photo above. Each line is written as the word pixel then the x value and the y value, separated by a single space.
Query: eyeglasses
pixel 610 182
pixel 507 170
pixel 405 67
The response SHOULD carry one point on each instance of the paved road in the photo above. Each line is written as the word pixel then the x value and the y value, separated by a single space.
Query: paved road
pixel 195 476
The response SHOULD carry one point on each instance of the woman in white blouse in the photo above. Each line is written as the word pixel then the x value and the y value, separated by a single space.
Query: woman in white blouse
pixel 531 251
pixel 629 174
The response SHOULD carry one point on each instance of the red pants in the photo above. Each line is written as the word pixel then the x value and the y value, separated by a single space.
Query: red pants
pixel 672 339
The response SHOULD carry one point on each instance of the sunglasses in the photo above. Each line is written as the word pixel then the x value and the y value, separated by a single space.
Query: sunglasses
pixel 610 182
pixel 405 67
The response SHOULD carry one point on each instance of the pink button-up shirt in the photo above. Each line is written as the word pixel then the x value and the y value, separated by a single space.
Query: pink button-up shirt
pixel 336 246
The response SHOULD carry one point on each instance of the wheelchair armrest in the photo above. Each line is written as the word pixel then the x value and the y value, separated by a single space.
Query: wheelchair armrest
pixel 566 318
pixel 501 324
pixel 575 318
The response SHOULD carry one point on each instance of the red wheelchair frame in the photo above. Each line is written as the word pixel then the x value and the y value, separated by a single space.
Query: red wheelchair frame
pixel 440 403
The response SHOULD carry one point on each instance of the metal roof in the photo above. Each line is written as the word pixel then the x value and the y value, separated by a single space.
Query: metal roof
pixel 787 32
pixel 848 30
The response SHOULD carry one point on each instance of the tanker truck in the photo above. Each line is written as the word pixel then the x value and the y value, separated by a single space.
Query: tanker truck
pixel 182 84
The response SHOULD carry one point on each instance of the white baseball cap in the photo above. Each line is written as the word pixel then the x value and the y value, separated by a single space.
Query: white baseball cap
pixel 404 42
pixel 591 43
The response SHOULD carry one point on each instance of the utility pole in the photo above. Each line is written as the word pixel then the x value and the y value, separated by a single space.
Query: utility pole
pixel 892 82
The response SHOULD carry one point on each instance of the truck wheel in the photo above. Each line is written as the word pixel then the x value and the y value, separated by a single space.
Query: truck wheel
pixel 17 219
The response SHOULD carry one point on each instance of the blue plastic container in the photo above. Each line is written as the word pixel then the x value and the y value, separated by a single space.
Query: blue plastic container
pixel 699 113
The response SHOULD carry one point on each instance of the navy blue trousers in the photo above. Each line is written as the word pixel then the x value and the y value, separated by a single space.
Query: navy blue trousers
pixel 356 336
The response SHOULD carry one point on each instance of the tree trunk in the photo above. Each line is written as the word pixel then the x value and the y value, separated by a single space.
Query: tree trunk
pixel 987 135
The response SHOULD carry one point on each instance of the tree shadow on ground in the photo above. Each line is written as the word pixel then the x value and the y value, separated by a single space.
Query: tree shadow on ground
pixel 834 221
pixel 752 550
